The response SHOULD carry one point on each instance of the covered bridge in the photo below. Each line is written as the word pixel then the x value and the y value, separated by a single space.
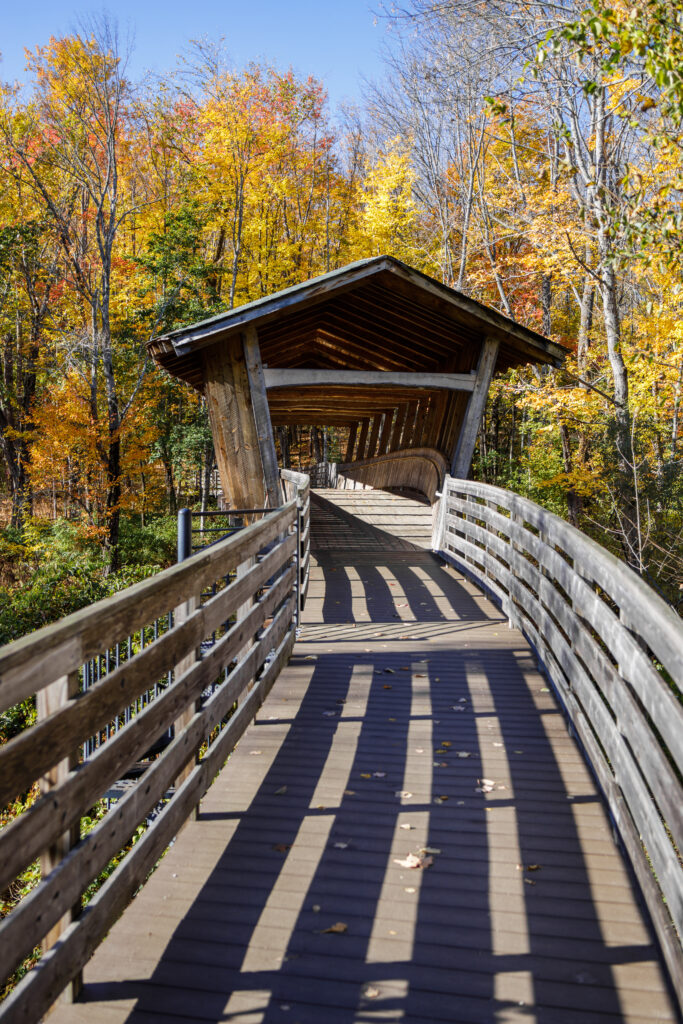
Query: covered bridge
pixel 401 360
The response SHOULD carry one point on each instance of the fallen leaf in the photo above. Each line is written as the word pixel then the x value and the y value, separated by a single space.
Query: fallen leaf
pixel 406 668
pixel 533 867
pixel 365 775
pixel 498 744
pixel 463 753
pixel 410 889
pixel 281 791
pixel 456 708
pixel 391 719
pixel 336 929
pixel 390 671
pixel 463 700
pixel 316 908
pixel 419 750
pixel 341 846
pixel 446 743
pixel 414 861
pixel 406 826
pixel 253 753
pixel 420 675
pixel 370 992
pixel 329 714
pixel 403 793
pixel 430 849
pixel 529 881
pixel 387 686
pixel 379 775
pixel 282 847
pixel 349 792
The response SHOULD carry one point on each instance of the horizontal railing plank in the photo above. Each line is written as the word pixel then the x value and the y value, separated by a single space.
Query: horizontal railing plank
pixel 32 832
pixel 34 661
pixel 38 991
pixel 34 751
pixel 570 597
pixel 24 928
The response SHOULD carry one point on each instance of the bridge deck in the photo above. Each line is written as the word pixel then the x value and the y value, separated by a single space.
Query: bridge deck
pixel 284 902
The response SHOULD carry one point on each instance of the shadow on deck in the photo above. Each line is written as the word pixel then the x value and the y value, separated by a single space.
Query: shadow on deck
pixel 406 696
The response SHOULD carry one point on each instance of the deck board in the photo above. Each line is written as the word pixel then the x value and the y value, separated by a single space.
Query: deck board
pixel 299 833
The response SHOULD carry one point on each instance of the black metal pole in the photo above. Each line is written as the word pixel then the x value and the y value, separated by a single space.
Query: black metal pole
pixel 184 534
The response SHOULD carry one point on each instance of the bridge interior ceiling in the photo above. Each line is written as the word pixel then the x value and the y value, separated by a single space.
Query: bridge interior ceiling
pixel 378 325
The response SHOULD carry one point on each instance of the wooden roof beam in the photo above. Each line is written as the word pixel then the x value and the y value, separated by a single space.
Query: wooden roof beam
pixel 299 378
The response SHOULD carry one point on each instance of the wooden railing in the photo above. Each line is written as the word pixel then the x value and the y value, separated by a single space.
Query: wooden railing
pixel 614 651
pixel 170 677
pixel 419 469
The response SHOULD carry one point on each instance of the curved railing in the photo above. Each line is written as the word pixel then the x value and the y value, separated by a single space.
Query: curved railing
pixel 614 651
pixel 420 469
pixel 189 654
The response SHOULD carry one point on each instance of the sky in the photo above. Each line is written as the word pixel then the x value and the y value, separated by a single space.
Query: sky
pixel 336 42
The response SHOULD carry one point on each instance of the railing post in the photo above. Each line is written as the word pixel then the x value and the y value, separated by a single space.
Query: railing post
pixel 180 615
pixel 48 700
pixel 299 590
pixel 184 534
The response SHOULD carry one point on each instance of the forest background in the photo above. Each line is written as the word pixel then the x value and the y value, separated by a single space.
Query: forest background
pixel 524 153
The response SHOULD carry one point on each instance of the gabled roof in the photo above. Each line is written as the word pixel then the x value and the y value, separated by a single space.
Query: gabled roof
pixel 376 314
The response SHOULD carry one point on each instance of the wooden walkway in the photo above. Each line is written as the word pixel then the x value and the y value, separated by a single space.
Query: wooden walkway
pixel 409 717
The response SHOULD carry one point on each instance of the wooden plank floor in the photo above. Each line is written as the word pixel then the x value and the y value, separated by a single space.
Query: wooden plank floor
pixel 284 902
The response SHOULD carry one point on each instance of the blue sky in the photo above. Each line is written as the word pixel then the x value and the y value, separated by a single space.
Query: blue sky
pixel 337 42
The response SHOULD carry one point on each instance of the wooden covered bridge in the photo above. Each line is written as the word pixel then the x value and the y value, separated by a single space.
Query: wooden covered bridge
pixel 457 790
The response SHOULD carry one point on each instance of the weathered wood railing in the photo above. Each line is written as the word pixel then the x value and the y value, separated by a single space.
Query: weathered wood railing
pixel 614 651
pixel 209 697
pixel 296 485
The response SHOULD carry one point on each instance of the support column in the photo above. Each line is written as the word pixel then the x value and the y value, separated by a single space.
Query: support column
pixel 464 450
pixel 240 421
pixel 264 428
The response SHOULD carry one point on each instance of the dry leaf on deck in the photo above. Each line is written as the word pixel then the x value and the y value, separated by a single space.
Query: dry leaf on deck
pixel 336 929
pixel 282 847
pixel 414 861
pixel 281 791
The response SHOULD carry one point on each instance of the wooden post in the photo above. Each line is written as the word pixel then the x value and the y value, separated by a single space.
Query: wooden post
pixel 51 698
pixel 264 428
pixel 385 436
pixel 352 441
pixel 181 614
pixel 374 436
pixel 235 437
pixel 395 442
pixel 362 440
pixel 462 456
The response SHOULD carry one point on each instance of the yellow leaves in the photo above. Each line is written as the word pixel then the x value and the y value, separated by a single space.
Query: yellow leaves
pixel 389 213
